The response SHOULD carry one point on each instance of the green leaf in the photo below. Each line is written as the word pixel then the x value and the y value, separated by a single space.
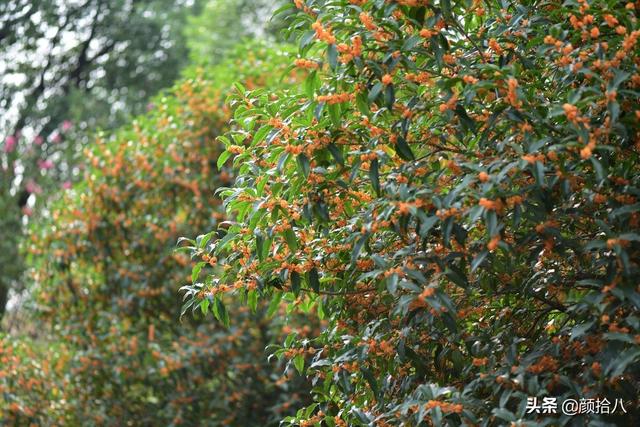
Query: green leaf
pixel 478 260
pixel 204 306
pixel 538 173
pixel 504 414
pixel 371 379
pixel 467 122
pixel 305 165
pixel 314 280
pixel 619 365
pixel 224 156
pixel 336 153
pixel 252 300
pixel 597 166
pixel 375 91
pixel 259 136
pixel 358 247
pixel 195 272
pixel 362 104
pixel 298 362
pixel 335 114
pixel 446 8
pixel 220 312
pixel 292 241
pixel 456 277
pixel 241 89
pixel 579 330
pixel 403 149
pixel 332 55
pixel 310 84
pixel 427 224
pixel 411 42
pixel 259 245
pixel 203 239
pixel 295 283
pixel 307 39
pixel 274 304
pixel 374 175
pixel 389 96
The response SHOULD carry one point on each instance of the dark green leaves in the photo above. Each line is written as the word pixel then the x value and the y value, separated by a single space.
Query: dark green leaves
pixel 375 91
pixel 292 241
pixel 332 55
pixel 374 175
pixel 220 311
pixel 296 281
pixel 336 153
pixel 403 149
pixel 304 164
pixel 314 279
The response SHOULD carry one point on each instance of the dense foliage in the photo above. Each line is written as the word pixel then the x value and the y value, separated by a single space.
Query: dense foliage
pixel 105 268
pixel 455 188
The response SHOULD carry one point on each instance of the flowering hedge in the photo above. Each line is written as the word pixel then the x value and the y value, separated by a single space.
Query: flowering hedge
pixel 455 189
pixel 110 348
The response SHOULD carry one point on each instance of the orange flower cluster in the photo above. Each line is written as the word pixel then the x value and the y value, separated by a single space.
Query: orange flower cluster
pixel 587 150
pixel 468 79
pixel 512 94
pixel 545 364
pixel 427 33
pixel 491 205
pixel 450 104
pixel 495 46
pixel 445 407
pixel 347 53
pixel 422 77
pixel 323 34
pixel 368 22
pixel 480 361
pixel 336 98
pixel 493 243
pixel 532 158
pixel 306 63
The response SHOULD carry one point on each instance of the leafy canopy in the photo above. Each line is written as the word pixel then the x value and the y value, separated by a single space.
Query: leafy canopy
pixel 456 191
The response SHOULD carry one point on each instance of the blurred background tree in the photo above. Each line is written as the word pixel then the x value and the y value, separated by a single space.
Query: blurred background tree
pixel 222 24
pixel 105 274
pixel 93 62
pixel 72 65
pixel 69 67
pixel 102 171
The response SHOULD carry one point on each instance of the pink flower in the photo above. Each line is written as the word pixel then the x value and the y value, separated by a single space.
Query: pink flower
pixel 56 137
pixel 66 125
pixel 27 210
pixel 10 144
pixel 32 187
pixel 38 140
pixel 66 185
pixel 45 164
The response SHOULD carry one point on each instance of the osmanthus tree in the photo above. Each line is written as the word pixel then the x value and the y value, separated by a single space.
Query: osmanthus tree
pixel 110 344
pixel 455 188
